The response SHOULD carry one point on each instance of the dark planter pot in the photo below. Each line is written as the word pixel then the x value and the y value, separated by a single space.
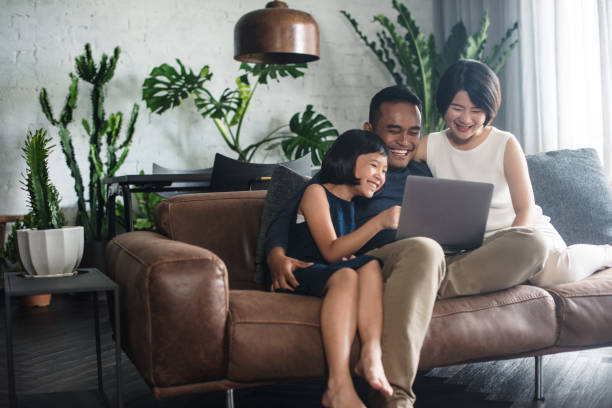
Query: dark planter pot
pixel 93 255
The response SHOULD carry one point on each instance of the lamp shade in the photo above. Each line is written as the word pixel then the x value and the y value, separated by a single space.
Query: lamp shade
pixel 276 35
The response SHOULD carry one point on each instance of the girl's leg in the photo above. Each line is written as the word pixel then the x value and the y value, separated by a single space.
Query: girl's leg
pixel 338 328
pixel 573 263
pixel 369 324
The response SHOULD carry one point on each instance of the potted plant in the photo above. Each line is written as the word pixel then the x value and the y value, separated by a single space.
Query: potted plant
pixel 104 142
pixel 166 87
pixel 46 246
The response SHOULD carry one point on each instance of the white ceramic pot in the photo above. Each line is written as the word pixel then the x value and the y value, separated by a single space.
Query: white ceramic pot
pixel 50 252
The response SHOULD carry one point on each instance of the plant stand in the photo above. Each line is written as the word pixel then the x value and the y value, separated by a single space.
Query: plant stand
pixel 86 281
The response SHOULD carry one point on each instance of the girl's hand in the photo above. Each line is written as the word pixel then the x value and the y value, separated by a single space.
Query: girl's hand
pixel 389 218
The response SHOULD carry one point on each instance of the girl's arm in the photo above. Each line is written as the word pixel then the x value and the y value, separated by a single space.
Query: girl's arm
pixel 421 150
pixel 315 209
pixel 517 176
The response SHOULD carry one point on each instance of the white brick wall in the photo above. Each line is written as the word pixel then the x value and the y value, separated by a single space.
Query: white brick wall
pixel 40 39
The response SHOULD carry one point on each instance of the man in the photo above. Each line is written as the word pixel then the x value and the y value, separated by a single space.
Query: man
pixel 415 269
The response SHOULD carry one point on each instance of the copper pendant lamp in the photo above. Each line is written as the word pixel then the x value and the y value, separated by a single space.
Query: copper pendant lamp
pixel 276 35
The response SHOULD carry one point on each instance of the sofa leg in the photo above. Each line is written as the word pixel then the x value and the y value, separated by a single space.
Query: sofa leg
pixel 229 398
pixel 539 389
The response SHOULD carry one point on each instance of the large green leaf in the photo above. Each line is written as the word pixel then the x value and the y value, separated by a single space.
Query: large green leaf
pixel 167 87
pixel 314 133
pixel 228 102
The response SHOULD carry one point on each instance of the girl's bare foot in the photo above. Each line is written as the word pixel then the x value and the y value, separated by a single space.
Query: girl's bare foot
pixel 342 396
pixel 370 367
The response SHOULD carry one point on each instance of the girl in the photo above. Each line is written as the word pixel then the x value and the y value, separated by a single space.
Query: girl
pixel 469 97
pixel 324 233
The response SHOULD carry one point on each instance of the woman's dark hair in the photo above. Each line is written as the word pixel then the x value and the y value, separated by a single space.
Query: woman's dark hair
pixel 395 93
pixel 477 79
pixel 339 162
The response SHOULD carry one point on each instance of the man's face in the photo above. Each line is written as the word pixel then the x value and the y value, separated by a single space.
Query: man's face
pixel 399 126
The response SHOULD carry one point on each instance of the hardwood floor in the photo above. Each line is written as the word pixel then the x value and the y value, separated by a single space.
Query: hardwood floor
pixel 55 351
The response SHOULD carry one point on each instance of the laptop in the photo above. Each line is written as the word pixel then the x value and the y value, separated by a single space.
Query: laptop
pixel 452 212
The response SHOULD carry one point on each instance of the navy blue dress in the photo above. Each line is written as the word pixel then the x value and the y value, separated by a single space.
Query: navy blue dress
pixel 303 247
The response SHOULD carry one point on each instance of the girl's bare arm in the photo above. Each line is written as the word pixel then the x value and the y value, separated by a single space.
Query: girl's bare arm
pixel 315 209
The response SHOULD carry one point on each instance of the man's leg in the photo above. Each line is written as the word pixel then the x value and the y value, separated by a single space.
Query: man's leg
pixel 415 268
pixel 505 259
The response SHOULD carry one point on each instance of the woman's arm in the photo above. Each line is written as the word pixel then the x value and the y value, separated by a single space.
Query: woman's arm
pixel 517 176
pixel 315 209
pixel 421 150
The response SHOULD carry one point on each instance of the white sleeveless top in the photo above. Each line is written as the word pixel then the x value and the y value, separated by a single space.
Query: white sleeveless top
pixel 484 163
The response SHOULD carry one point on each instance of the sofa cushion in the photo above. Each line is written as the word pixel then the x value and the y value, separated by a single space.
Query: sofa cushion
pixel 284 184
pixel 225 223
pixel 275 336
pixel 584 310
pixel 571 188
pixel 488 327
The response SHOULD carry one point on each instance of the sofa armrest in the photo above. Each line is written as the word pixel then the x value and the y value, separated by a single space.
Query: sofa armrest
pixel 174 306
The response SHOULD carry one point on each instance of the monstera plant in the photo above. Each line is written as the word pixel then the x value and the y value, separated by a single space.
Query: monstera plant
pixel 166 87
pixel 414 61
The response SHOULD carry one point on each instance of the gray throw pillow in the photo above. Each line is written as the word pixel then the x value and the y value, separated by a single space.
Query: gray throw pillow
pixel 284 184
pixel 572 189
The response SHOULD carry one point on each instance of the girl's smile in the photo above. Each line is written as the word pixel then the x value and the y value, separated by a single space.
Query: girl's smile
pixel 371 170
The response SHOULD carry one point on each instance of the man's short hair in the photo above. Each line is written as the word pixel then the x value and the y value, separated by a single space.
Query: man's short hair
pixel 477 79
pixel 339 162
pixel 395 93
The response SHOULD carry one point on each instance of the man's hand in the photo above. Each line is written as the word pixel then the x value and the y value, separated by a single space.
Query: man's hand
pixel 281 269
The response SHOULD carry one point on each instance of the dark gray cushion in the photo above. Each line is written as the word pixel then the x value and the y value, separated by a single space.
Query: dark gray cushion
pixel 284 184
pixel 572 189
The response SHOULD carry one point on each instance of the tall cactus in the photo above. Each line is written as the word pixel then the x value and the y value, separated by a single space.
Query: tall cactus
pixel 103 134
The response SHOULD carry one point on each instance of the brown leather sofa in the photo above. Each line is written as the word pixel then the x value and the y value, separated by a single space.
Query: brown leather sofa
pixel 193 320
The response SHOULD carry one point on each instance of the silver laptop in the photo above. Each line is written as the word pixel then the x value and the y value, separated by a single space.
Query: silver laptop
pixel 452 212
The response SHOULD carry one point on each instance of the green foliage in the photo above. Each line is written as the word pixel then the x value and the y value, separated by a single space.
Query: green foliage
pixel 43 198
pixel 166 87
pixel 9 255
pixel 104 135
pixel 414 61
pixel 314 133
pixel 144 219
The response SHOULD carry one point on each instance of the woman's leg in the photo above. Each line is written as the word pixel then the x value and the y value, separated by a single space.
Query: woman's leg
pixel 569 264
pixel 369 326
pixel 338 328
pixel 572 264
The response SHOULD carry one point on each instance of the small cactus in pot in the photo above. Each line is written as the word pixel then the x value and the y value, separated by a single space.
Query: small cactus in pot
pixel 46 246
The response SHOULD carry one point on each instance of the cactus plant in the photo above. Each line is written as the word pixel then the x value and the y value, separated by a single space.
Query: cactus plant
pixel 43 198
pixel 103 133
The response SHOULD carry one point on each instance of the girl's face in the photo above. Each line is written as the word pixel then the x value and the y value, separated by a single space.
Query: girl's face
pixel 371 170
pixel 464 120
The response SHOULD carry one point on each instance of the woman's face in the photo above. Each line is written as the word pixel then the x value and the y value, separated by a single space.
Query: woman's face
pixel 464 120
pixel 371 170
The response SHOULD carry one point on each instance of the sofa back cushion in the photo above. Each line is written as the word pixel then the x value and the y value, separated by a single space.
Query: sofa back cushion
pixel 572 189
pixel 226 223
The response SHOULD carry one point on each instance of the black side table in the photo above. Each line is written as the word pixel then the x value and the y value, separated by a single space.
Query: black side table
pixel 148 183
pixel 86 281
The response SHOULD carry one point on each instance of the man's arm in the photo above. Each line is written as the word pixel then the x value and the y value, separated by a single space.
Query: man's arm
pixel 281 266
pixel 281 269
